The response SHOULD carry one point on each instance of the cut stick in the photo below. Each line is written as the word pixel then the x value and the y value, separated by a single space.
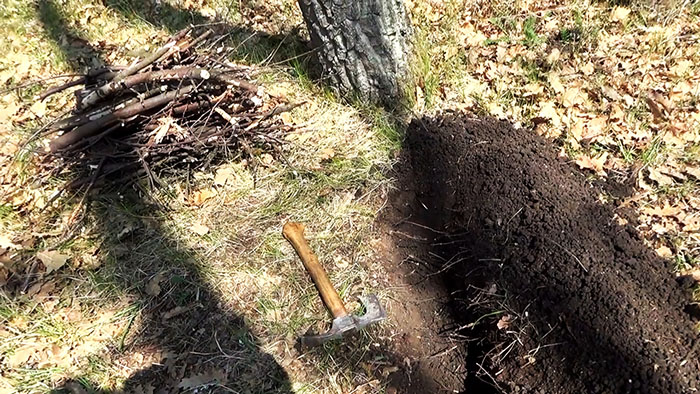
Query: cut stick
pixel 152 58
pixel 105 73
pixel 79 120
pixel 108 88
pixel 184 73
pixel 92 128
pixel 196 41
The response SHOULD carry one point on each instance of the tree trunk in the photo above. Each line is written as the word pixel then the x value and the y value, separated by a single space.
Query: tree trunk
pixel 362 45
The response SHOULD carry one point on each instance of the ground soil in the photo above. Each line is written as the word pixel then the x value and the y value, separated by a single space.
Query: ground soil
pixel 429 359
pixel 548 289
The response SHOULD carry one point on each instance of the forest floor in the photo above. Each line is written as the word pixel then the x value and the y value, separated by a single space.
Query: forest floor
pixel 204 292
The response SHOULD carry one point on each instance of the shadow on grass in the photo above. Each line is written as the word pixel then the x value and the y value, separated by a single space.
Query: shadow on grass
pixel 254 46
pixel 76 49
pixel 185 321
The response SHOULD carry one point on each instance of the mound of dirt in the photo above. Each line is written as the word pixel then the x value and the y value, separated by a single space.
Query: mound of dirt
pixel 554 292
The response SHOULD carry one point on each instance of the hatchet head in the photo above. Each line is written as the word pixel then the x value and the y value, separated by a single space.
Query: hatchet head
pixel 348 324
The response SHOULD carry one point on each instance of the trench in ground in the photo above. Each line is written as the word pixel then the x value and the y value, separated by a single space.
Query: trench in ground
pixel 529 283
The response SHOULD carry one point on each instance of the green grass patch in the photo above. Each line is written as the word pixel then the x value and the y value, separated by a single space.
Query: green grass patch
pixel 533 70
pixel 652 151
pixel 532 39
pixel 505 24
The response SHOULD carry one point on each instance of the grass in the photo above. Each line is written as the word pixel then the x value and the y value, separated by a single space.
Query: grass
pixel 531 37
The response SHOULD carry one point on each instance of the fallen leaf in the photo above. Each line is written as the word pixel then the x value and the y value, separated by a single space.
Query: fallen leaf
pixel 554 56
pixel 153 286
pixel 691 223
pixel 497 111
pixel 533 89
pixel 9 148
pixel 207 378
pixel 504 322
pixel 38 108
pixel 8 109
pixel 34 289
pixel 199 229
pixel 199 197
pixel 611 93
pixel 619 14
pixel 555 83
pixel 223 176
pixel 56 356
pixel 664 251
pixel 90 260
pixel 577 130
pixel 660 178
pixel 551 25
pixel 596 126
pixel 73 315
pixel 22 355
pixel 681 68
pixel 548 111
pixel 659 228
pixel 616 112
pixel 52 259
pixel 45 290
pixel 6 242
pixel 571 97
pixel 207 12
pixel 469 36
pixel 6 387
pixel 326 154
pixel 693 171
pixel 287 118
pixel 661 99
pixel 657 112
pixel 266 159
pixel 587 69
pixel 595 164
pixel 696 275
pixel 666 211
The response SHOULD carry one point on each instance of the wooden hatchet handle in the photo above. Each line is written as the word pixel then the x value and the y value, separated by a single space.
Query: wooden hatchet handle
pixel 294 233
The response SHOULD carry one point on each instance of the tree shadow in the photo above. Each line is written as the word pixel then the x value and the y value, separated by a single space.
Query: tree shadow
pixel 255 46
pixel 552 292
pixel 77 50
pixel 198 341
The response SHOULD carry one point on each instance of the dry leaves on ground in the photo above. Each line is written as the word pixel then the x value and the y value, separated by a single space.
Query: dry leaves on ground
pixel 52 259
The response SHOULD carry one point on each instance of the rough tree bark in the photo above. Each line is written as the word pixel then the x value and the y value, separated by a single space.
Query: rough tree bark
pixel 362 45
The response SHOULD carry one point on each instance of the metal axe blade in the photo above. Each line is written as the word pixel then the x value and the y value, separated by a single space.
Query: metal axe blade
pixel 349 324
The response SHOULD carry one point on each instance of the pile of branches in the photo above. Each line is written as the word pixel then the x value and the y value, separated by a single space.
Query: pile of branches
pixel 183 105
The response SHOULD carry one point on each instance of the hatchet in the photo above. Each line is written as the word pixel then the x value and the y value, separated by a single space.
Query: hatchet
pixel 343 322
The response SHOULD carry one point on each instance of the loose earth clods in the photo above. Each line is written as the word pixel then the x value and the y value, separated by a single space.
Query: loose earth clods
pixel 553 294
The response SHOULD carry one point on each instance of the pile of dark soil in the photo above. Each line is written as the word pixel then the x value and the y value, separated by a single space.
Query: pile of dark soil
pixel 583 305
